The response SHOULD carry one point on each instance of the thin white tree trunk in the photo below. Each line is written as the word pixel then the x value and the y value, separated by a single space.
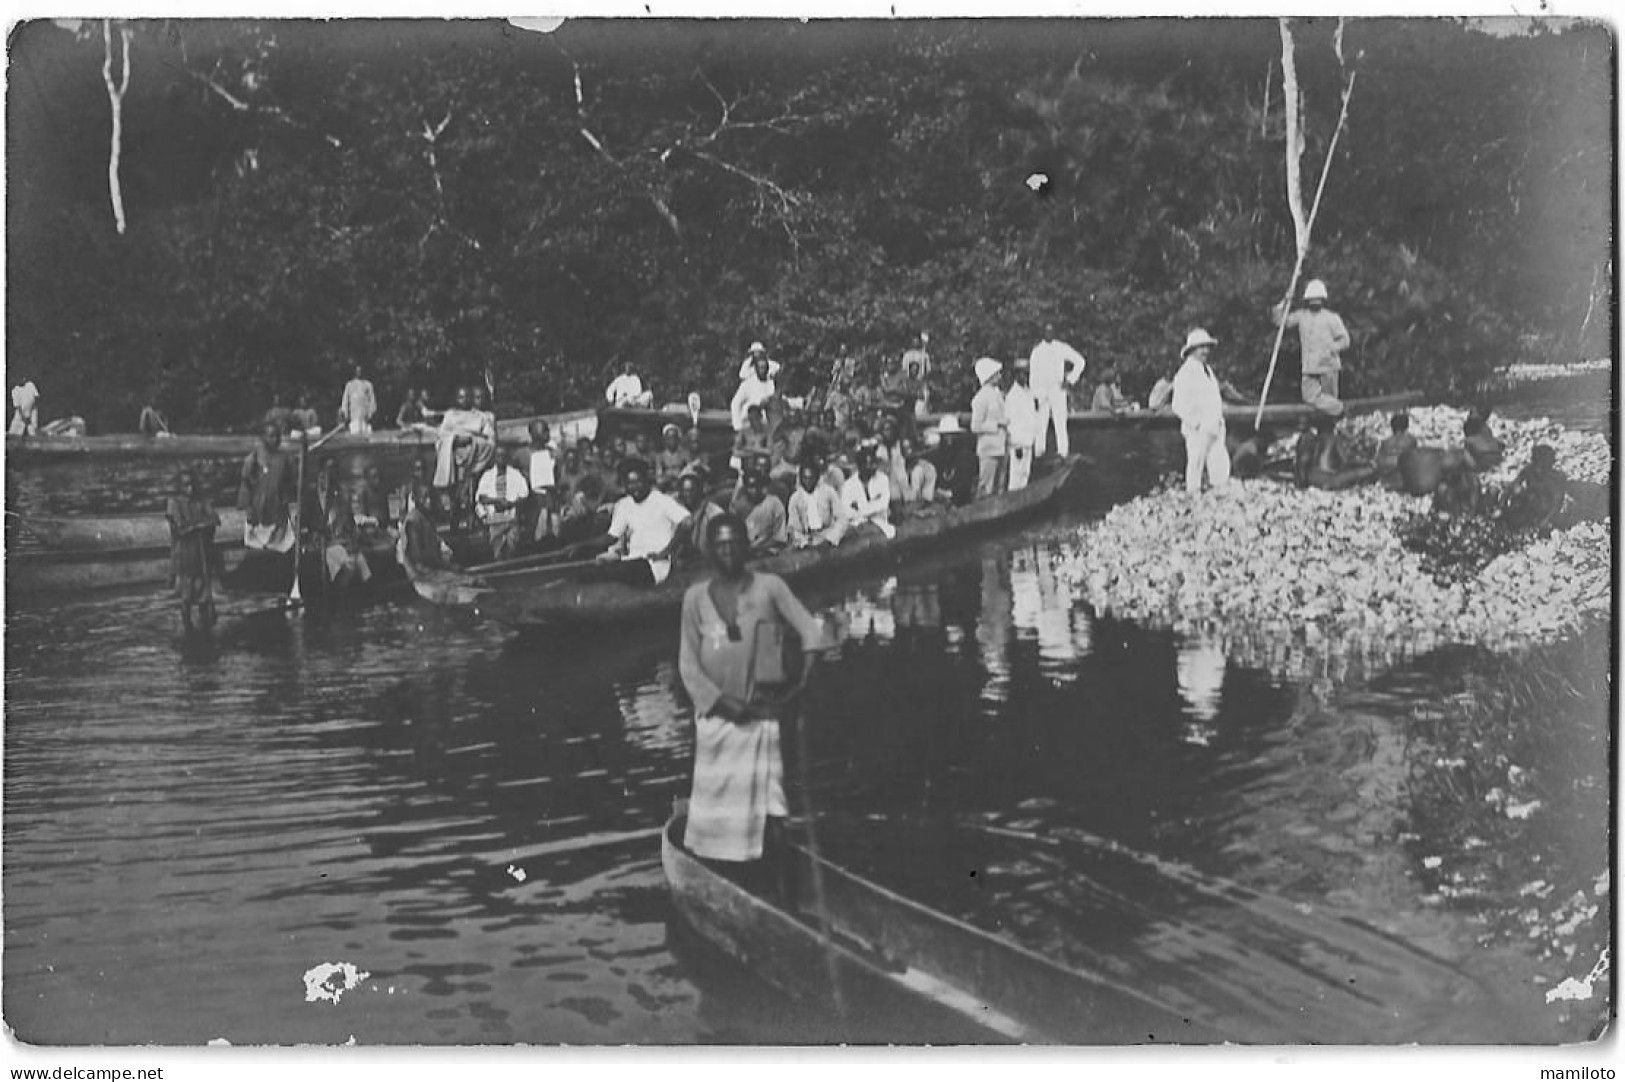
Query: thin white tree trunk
pixel 1294 139
pixel 115 98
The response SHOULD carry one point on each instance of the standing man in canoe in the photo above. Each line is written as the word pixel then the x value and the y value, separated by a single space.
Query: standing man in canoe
pixel 1322 338
pixel 193 557
pixel 988 423
pixel 265 490
pixel 358 404
pixel 1021 420
pixel 464 448
pixel 757 388
pixel 731 656
pixel 1200 406
pixel 1055 367
pixel 25 409
pixel 644 530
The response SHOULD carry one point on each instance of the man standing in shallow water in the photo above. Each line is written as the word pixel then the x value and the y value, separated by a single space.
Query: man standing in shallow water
pixel 731 658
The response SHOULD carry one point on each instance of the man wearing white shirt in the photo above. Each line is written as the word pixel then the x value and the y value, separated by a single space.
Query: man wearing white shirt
pixel 815 516
pixel 1054 366
pixel 626 391
pixel 25 409
pixel 749 364
pixel 644 528
pixel 1200 407
pixel 1021 421
pixel 866 496
pixel 496 501
pixel 755 390
pixel 543 471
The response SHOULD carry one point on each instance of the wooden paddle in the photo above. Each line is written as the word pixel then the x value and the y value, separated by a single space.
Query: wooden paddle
pixel 540 559
pixel 295 598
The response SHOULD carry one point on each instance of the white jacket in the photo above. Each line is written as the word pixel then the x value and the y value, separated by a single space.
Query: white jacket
pixel 1021 415
pixel 1196 398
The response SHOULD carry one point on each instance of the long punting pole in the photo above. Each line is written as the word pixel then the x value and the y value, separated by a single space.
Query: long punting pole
pixel 1297 268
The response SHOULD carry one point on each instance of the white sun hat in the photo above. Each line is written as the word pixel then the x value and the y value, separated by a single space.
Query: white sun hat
pixel 1196 339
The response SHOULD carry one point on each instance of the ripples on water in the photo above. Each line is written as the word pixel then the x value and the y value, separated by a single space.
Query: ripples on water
pixel 192 826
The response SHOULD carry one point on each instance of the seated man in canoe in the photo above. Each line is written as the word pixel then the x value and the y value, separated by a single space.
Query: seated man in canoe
pixel 341 543
pixel 464 448
pixel 421 552
pixel 1422 470
pixel 1479 444
pixel 265 491
pixel 1389 451
pixel 672 458
pixel 921 475
pixel 645 529
pixel 866 497
pixel 701 510
pixel 735 631
pixel 1323 459
pixel 194 560
pixel 766 527
pixel 152 423
pixel 814 516
pixel 501 490
pixel 369 505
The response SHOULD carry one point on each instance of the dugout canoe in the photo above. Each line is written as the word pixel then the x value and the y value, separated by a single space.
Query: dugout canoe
pixel 614 421
pixel 47 553
pixel 551 598
pixel 899 965
pixel 571 425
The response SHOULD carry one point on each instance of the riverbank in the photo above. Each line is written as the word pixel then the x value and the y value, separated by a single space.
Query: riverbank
pixel 1266 557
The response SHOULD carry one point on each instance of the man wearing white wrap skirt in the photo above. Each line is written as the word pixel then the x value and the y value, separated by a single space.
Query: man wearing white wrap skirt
pixel 730 656
pixel 1200 406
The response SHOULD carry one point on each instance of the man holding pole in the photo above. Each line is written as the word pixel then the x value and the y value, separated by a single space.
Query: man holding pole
pixel 1322 338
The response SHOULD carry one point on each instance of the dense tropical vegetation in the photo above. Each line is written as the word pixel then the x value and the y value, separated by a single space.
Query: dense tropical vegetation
pixel 442 200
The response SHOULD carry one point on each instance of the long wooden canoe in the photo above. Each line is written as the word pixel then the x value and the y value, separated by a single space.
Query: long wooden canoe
pixel 931 977
pixel 1149 951
pixel 540 599
pixel 572 425
pixel 1277 415
pixel 71 552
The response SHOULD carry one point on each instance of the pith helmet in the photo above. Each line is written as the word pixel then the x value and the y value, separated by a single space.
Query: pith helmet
pixel 1196 339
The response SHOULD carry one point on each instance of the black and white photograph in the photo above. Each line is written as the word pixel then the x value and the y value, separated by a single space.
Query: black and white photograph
pixel 586 532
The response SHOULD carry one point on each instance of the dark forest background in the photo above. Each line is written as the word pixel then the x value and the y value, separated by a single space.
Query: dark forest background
pixel 439 199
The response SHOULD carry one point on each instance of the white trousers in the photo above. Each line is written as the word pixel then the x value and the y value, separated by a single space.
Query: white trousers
pixel 1205 448
pixel 1021 468
pixel 1052 410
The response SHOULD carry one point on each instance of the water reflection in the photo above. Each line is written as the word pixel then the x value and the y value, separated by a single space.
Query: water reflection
pixel 467 815
pixel 1199 672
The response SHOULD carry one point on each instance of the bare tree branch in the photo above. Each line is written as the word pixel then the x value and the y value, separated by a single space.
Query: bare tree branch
pixel 242 106
pixel 115 98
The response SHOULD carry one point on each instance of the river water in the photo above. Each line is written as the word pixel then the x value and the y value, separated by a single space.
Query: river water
pixel 193 825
